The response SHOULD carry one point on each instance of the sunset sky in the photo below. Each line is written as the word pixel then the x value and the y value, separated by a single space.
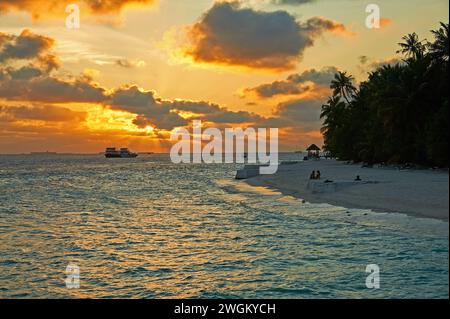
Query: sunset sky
pixel 138 69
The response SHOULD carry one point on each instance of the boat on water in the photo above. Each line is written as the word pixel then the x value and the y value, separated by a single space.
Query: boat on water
pixel 112 152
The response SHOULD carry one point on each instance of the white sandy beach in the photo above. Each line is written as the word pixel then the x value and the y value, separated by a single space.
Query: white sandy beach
pixel 423 193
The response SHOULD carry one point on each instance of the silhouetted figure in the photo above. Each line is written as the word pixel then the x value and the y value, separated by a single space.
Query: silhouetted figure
pixel 358 178
pixel 318 175
pixel 313 175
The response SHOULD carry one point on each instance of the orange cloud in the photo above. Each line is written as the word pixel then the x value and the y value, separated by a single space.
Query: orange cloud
pixel 41 106
pixel 231 35
pixel 295 84
pixel 384 22
pixel 318 25
pixel 47 113
pixel 27 45
pixel 36 82
pixel 40 9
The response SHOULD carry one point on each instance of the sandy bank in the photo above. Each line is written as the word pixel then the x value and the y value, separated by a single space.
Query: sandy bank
pixel 423 193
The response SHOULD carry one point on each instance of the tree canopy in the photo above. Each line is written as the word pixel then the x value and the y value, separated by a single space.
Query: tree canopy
pixel 400 114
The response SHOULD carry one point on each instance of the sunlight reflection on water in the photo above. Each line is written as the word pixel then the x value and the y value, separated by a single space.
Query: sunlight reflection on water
pixel 145 228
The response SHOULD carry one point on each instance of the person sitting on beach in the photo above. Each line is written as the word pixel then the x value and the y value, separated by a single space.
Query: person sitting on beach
pixel 318 175
pixel 358 179
pixel 313 175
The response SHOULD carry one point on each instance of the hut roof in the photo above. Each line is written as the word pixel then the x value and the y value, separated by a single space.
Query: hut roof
pixel 313 147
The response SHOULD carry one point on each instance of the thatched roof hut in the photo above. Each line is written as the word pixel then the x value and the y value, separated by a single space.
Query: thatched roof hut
pixel 313 151
pixel 313 147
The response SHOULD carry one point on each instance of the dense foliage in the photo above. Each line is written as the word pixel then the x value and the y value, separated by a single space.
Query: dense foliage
pixel 400 114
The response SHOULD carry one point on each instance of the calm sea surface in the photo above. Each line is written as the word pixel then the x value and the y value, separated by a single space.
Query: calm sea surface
pixel 146 228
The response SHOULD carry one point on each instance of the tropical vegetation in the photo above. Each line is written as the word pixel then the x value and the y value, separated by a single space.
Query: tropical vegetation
pixel 400 114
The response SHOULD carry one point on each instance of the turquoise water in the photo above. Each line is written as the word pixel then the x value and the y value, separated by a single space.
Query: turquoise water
pixel 146 228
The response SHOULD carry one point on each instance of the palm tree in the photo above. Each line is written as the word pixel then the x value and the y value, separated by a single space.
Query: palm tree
pixel 342 85
pixel 439 49
pixel 332 102
pixel 332 116
pixel 399 114
pixel 412 47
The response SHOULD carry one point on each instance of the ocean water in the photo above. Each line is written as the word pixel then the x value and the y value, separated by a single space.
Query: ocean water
pixel 146 228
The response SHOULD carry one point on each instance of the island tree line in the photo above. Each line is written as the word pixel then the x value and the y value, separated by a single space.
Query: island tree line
pixel 400 114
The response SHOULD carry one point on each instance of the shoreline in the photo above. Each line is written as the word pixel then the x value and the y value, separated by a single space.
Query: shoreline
pixel 419 193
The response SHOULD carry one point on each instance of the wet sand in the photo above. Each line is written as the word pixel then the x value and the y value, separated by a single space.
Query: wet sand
pixel 423 193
